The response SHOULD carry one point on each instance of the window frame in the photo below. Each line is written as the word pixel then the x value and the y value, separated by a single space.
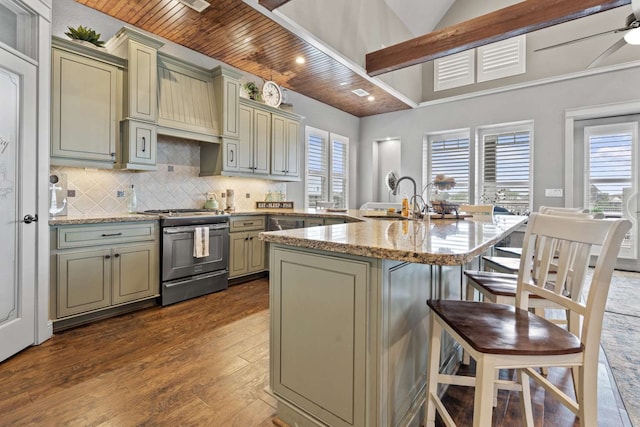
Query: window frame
pixel 328 173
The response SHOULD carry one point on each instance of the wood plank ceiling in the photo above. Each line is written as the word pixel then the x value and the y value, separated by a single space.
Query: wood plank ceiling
pixel 236 34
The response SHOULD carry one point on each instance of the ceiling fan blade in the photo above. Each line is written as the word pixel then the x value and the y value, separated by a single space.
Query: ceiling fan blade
pixel 604 55
pixel 553 46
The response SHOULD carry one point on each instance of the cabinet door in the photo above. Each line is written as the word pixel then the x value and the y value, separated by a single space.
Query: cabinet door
pixel 245 141
pixel 143 75
pixel 261 141
pixel 278 145
pixel 293 147
pixel 84 281
pixel 140 144
pixel 84 99
pixel 256 249
pixel 135 272
pixel 238 256
pixel 231 94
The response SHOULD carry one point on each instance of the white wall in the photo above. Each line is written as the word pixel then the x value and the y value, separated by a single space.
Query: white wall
pixel 544 104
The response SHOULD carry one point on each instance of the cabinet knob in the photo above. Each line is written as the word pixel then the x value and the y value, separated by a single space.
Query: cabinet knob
pixel 107 256
pixel 117 255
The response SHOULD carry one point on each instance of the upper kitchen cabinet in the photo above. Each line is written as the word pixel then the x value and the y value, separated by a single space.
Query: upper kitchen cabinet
pixel 138 132
pixel 254 143
pixel 141 75
pixel 285 146
pixel 226 83
pixel 186 101
pixel 86 93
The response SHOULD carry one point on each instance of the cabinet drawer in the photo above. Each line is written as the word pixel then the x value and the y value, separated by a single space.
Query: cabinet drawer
pixel 101 234
pixel 246 223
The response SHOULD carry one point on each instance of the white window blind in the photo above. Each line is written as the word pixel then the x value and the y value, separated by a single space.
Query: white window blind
pixel 339 170
pixel 507 169
pixel 327 176
pixel 449 155
pixel 317 173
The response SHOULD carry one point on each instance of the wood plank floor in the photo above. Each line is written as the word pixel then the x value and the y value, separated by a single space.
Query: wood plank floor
pixel 203 362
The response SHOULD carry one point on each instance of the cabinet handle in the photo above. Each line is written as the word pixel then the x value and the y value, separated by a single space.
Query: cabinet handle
pixel 246 238
pixel 250 238
pixel 28 219
pixel 144 144
pixel 231 155
pixel 107 256
pixel 111 234
pixel 247 223
pixel 117 255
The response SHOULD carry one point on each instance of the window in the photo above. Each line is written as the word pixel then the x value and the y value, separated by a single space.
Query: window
pixel 609 166
pixel 327 177
pixel 505 157
pixel 448 154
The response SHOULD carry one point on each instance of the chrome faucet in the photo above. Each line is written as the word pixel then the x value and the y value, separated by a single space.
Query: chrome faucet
pixel 416 209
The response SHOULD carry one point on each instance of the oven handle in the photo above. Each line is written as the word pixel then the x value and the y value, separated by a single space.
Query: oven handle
pixel 192 278
pixel 190 229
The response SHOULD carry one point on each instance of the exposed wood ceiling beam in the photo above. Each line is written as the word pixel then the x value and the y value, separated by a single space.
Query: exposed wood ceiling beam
pixel 272 4
pixel 520 18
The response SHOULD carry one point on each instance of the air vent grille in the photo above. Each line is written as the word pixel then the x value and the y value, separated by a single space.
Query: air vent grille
pixel 197 5
pixel 454 70
pixel 360 92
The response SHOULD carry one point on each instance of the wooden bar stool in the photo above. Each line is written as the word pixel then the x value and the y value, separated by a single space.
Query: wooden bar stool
pixel 511 337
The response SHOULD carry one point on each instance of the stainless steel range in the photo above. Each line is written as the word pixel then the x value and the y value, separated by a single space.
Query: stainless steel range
pixel 184 273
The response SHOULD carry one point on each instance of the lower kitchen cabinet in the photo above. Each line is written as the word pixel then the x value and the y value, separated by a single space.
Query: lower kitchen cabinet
pixel 247 253
pixel 99 266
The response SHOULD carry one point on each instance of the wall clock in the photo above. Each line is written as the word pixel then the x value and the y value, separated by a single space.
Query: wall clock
pixel 271 94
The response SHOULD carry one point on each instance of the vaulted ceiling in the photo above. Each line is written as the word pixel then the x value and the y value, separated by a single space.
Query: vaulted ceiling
pixel 249 37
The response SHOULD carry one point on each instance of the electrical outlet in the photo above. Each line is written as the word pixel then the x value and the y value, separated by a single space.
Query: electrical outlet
pixel 71 193
pixel 248 195
pixel 170 168
pixel 223 194
pixel 120 193
pixel 553 192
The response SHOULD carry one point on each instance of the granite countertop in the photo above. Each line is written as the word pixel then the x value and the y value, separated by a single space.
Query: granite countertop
pixel 101 218
pixel 428 241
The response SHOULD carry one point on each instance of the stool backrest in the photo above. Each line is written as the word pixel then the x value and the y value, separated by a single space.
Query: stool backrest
pixel 563 244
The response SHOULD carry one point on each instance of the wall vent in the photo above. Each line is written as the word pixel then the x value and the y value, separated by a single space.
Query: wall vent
pixel 502 59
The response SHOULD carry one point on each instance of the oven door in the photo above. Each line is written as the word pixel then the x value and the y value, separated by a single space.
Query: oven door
pixel 177 251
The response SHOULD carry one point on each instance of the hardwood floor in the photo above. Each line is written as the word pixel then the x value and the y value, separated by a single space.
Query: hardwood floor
pixel 203 362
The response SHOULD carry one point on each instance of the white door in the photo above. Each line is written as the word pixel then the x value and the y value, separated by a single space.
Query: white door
pixel 18 150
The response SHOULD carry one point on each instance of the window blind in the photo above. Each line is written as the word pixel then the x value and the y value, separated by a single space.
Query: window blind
pixel 448 155
pixel 339 171
pixel 506 170
pixel 316 168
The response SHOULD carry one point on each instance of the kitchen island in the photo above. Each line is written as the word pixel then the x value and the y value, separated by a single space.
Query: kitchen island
pixel 349 321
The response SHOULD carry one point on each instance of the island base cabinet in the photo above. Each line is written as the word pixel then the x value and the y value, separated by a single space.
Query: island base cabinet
pixel 349 338
pixel 319 335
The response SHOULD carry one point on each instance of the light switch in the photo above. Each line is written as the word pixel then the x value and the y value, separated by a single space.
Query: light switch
pixel 553 192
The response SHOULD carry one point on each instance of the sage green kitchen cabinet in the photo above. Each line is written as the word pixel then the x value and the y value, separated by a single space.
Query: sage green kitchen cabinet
pixel 247 253
pixel 100 266
pixel 254 142
pixel 86 96
pixel 285 143
pixel 139 145
pixel 141 74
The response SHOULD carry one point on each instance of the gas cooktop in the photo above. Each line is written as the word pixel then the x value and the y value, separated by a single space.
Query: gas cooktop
pixel 185 212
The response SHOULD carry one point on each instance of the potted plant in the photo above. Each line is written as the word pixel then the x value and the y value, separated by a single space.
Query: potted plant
pixel 85 34
pixel 252 90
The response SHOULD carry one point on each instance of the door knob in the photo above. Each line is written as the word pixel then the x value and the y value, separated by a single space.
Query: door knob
pixel 28 219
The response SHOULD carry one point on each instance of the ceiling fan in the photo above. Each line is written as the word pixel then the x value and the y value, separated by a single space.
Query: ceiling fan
pixel 631 36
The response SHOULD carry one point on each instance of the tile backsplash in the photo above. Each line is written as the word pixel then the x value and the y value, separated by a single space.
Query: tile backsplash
pixel 175 184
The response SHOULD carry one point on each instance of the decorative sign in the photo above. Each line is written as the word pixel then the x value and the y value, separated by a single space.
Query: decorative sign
pixel 274 205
